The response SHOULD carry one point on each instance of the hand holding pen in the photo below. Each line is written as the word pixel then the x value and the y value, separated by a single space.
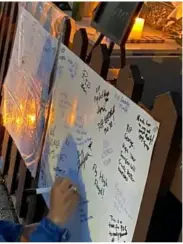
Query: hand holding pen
pixel 63 201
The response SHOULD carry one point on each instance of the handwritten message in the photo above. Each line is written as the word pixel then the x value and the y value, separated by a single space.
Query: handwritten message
pixel 116 229
pixel 103 142
pixel 100 181
pixel 126 164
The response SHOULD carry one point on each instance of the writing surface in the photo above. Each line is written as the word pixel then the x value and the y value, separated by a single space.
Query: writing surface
pixel 25 92
pixel 103 142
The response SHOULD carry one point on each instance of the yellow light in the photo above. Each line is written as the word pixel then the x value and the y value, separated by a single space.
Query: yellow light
pixel 31 119
pixel 21 107
pixel 19 121
pixel 71 118
pixel 137 29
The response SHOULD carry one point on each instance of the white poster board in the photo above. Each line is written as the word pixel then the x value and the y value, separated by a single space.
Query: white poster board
pixel 102 141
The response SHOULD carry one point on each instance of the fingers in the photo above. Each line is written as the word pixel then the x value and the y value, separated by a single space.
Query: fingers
pixel 58 181
pixel 65 185
pixel 71 194
pixel 64 198
pixel 71 202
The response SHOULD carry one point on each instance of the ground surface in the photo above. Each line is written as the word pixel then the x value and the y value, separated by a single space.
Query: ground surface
pixel 6 207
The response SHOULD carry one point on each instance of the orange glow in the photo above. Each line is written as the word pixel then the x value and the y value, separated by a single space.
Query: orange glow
pixel 22 115
pixel 137 29
pixel 51 115
pixel 19 121
pixel 71 118
pixel 21 106
pixel 31 119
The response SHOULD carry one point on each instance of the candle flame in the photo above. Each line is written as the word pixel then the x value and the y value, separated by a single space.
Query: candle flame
pixel 137 29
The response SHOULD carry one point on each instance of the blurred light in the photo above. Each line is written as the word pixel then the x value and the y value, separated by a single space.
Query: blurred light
pixel 137 29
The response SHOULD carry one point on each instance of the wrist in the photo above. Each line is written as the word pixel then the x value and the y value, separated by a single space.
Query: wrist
pixel 48 231
pixel 56 226
pixel 54 219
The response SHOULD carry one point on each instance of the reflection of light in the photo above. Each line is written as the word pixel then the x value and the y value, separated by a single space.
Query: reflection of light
pixel 71 119
pixel 137 29
pixel 31 118
pixel 22 115
pixel 51 115
pixel 72 115
pixel 19 121
pixel 21 106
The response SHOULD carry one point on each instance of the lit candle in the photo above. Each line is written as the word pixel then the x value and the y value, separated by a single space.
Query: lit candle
pixel 137 29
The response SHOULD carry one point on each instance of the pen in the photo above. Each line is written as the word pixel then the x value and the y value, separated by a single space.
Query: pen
pixel 37 191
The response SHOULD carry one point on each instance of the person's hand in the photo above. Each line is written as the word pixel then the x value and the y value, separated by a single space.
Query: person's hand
pixel 63 202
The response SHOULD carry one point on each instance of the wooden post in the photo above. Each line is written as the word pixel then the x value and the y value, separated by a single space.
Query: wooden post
pixel 24 182
pixel 175 147
pixel 80 43
pixel 6 148
pixel 176 185
pixel 130 82
pixel 6 40
pixel 4 24
pixel 13 169
pixel 67 32
pixel 4 65
pixel 163 111
pixel 100 60
pixel 9 41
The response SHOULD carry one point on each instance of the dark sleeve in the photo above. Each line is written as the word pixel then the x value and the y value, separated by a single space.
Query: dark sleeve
pixel 10 231
pixel 47 231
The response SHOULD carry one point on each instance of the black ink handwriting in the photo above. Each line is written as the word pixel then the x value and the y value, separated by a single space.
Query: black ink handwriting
pixel 85 84
pixel 116 229
pixel 83 159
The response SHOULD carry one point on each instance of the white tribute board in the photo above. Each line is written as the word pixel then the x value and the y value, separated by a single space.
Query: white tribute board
pixel 102 141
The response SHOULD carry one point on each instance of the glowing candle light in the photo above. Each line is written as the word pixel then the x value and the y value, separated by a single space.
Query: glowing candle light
pixel 31 119
pixel 137 29
pixel 19 121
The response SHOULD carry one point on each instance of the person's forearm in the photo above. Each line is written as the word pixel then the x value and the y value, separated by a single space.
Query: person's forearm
pixel 47 231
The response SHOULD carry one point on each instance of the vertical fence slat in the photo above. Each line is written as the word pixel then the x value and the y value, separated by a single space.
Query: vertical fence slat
pixel 6 148
pixel 13 169
pixel 67 32
pixel 100 60
pixel 8 43
pixel 130 82
pixel 176 185
pixel 80 43
pixel 23 182
pixel 163 111
pixel 4 23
